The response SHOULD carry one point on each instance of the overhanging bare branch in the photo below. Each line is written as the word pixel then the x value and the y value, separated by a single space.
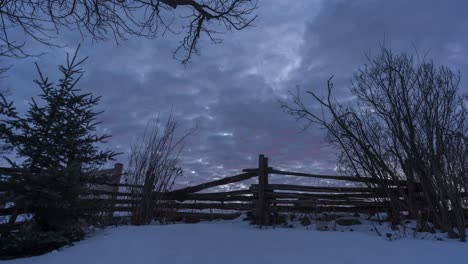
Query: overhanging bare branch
pixel 42 20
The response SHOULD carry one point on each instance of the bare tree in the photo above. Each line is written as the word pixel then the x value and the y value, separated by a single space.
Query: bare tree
pixel 409 123
pixel 154 164
pixel 41 20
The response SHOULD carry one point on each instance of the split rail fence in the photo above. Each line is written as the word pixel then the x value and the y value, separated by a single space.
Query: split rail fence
pixel 261 199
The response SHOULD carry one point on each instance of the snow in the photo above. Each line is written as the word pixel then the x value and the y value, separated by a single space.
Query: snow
pixel 237 242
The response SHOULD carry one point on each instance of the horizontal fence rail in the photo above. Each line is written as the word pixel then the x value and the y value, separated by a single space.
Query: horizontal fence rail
pixel 260 200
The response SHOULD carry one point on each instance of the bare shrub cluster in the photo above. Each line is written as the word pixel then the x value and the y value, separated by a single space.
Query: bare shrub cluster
pixel 407 127
pixel 154 164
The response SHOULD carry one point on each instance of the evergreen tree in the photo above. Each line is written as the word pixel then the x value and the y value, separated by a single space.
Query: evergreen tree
pixel 7 110
pixel 57 141
pixel 60 131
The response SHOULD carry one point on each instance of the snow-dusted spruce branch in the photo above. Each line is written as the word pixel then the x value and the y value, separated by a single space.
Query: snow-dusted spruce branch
pixel 42 20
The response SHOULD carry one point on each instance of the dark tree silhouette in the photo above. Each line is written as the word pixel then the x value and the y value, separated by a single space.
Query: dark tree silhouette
pixel 6 111
pixel 58 145
pixel 408 122
pixel 42 20
pixel 60 131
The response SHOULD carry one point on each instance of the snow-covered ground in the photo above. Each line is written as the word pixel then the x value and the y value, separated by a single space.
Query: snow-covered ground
pixel 237 242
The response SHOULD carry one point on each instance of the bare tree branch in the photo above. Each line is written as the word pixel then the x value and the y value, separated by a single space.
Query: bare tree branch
pixel 408 122
pixel 42 20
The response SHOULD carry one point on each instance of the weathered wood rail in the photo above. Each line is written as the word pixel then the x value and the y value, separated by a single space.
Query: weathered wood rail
pixel 10 209
pixel 261 199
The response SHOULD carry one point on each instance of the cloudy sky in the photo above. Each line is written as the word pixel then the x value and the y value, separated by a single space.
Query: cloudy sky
pixel 231 90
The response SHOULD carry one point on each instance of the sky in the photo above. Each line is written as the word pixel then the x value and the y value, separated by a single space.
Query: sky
pixel 231 91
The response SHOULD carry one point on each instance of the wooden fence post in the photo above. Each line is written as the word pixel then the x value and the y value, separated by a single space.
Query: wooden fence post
pixel 115 179
pixel 262 206
pixel 267 197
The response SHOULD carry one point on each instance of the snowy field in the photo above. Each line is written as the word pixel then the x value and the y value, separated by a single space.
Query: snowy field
pixel 237 242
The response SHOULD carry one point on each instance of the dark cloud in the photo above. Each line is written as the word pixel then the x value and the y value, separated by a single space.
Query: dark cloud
pixel 231 91
pixel 340 37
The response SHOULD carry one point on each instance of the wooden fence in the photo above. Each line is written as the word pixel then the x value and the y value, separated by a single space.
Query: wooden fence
pixel 264 199
pixel 13 216
pixel 261 199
